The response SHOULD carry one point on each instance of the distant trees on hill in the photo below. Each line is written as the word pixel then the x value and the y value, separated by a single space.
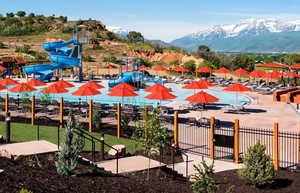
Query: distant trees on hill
pixel 135 37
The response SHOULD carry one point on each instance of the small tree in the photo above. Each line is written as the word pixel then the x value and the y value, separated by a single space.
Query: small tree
pixel 203 181
pixel 73 143
pixel 259 169
pixel 135 37
pixel 21 13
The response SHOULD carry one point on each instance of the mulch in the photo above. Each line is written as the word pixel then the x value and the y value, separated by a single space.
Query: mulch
pixel 38 174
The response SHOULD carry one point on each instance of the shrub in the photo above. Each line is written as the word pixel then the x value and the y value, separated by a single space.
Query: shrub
pixel 97 121
pixel 203 181
pixel 258 168
pixel 23 190
pixel 26 49
pixel 97 47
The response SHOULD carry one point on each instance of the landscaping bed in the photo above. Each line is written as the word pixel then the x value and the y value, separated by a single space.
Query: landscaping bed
pixel 38 174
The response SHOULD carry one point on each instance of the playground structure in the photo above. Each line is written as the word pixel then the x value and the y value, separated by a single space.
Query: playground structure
pixel 131 73
pixel 61 56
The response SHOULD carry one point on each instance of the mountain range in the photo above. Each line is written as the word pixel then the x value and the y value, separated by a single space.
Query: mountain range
pixel 251 35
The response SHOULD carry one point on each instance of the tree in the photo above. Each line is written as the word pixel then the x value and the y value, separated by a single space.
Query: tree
pixel 203 48
pixel 11 14
pixel 135 37
pixel 243 61
pixel 292 59
pixel 73 144
pixel 191 65
pixel 31 15
pixel 21 13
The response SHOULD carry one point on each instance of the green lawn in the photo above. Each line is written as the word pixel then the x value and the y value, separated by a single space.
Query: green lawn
pixel 26 132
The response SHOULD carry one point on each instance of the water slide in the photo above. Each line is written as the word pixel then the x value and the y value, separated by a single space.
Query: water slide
pixel 131 77
pixel 59 55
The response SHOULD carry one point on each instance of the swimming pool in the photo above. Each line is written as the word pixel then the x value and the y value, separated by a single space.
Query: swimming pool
pixel 229 98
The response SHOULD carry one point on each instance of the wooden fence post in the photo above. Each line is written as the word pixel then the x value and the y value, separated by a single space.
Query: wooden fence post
pixel 61 112
pixel 211 138
pixel 6 103
pixel 275 149
pixel 33 110
pixel 119 111
pixel 176 129
pixel 91 116
pixel 236 141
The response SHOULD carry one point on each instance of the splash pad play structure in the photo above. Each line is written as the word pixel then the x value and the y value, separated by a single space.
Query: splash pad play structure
pixel 131 73
pixel 61 56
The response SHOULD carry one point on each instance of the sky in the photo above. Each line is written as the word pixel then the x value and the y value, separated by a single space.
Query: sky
pixel 160 19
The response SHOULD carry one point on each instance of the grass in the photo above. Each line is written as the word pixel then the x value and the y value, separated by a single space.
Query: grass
pixel 26 132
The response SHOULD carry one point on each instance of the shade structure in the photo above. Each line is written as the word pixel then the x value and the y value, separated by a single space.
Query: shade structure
pixel 195 85
pixel 124 85
pixel 2 87
pixel 22 87
pixel 237 88
pixel 129 68
pixel 122 92
pixel 161 95
pixel 159 68
pixel 241 72
pixel 64 84
pixel 8 81
pixel 204 70
pixel 156 88
pixel 205 83
pixel 35 82
pixel 86 91
pixel 295 66
pixel 143 67
pixel 270 75
pixel 257 73
pixel 54 89
pixel 222 71
pixel 202 97
pixel 110 66
pixel 292 74
pixel 180 69
pixel 2 68
pixel 92 84
pixel 272 65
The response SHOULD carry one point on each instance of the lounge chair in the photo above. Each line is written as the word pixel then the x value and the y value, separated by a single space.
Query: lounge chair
pixel 239 109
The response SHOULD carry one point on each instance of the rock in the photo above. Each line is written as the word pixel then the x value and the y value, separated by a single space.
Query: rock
pixel 121 149
pixel 5 153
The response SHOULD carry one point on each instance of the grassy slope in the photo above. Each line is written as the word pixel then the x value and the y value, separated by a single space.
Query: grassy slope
pixel 26 132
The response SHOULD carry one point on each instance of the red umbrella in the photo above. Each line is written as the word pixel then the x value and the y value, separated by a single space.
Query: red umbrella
pixel 195 85
pixel 92 84
pixel 109 66
pixel 292 74
pixel 257 73
pixel 2 68
pixel 295 66
pixel 124 85
pixel 8 81
pixel 161 95
pixel 54 89
pixel 222 71
pixel 159 68
pixel 22 87
pixel 202 97
pixel 34 82
pixel 64 84
pixel 122 92
pixel 205 82
pixel 204 70
pixel 143 67
pixel 270 75
pixel 157 87
pixel 129 68
pixel 2 87
pixel 241 72
pixel 180 69
pixel 86 91
pixel 237 88
pixel 272 65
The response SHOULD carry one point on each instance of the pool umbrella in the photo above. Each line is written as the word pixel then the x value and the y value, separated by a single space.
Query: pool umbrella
pixel 204 70
pixel 257 73
pixel 86 91
pixel 159 68
pixel 271 75
pixel 292 74
pixel 157 87
pixel 54 89
pixel 295 66
pixel 2 68
pixel 241 72
pixel 92 84
pixel 124 85
pixel 195 85
pixel 64 84
pixel 205 83
pixel 272 65
pixel 180 69
pixel 2 87
pixel 34 82
pixel 22 87
pixel 129 68
pixel 237 88
pixel 161 96
pixel 109 67
pixel 8 81
pixel 122 92
pixel 222 71
pixel 202 97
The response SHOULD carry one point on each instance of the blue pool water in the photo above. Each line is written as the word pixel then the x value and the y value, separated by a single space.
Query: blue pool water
pixel 224 97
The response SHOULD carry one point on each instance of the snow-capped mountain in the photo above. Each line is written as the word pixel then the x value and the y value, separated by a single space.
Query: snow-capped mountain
pixel 245 29
pixel 118 30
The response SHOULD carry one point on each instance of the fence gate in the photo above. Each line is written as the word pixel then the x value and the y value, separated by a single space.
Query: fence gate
pixel 224 143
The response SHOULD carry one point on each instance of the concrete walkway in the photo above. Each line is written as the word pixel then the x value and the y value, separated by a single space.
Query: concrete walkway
pixel 29 148
pixel 219 165
pixel 129 164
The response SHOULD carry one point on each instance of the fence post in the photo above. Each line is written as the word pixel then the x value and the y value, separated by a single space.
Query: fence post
pixel 211 138
pixel 6 103
pixel 275 149
pixel 7 127
pixel 91 116
pixel 236 141
pixel 119 111
pixel 33 110
pixel 61 112
pixel 176 129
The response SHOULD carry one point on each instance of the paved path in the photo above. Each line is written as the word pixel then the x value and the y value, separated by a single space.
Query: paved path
pixel 129 164
pixel 219 165
pixel 29 148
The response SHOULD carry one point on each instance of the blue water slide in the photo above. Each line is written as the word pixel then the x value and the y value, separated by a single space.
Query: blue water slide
pixel 52 46
pixel 125 77
pixel 45 71
pixel 64 60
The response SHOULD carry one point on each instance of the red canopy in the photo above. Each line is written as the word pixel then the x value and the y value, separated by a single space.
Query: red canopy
pixel 257 73
pixel 34 82
pixel 2 68
pixel 202 97
pixel 222 71
pixel 64 84
pixel 271 75
pixel 157 87
pixel 54 89
pixel 8 81
pixel 272 65
pixel 195 85
pixel 292 74
pixel 180 69
pixel 295 66
pixel 205 82
pixel 86 91
pixel 92 84
pixel 159 68
pixel 204 69
pixel 241 72
pixel 122 92
pixel 237 88
pixel 161 95
pixel 109 66
pixel 124 85
pixel 22 87
pixel 2 87
pixel 129 68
